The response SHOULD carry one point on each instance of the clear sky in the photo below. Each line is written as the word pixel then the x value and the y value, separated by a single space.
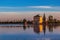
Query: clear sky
pixel 29 3
pixel 12 9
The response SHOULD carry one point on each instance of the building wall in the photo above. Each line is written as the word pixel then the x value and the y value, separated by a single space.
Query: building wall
pixel 38 20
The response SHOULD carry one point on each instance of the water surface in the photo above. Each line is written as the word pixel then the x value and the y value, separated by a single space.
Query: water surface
pixel 29 32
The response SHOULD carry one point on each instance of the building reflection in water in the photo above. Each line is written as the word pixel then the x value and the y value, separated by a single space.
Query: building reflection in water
pixel 40 28
pixel 44 28
pixel 36 29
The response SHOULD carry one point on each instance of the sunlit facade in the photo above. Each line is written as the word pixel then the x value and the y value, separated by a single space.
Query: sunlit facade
pixel 40 20
pixel 37 20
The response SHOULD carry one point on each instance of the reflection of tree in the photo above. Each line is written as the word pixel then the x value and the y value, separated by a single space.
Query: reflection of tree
pixel 24 27
pixel 50 27
pixel 44 28
pixel 28 26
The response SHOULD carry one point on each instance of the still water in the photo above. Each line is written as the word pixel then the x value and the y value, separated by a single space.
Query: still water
pixel 29 32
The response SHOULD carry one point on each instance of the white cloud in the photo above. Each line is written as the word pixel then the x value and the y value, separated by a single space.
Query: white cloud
pixel 39 6
pixel 30 8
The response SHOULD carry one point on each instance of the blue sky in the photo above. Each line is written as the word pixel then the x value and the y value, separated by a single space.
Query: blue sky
pixel 29 2
pixel 29 5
